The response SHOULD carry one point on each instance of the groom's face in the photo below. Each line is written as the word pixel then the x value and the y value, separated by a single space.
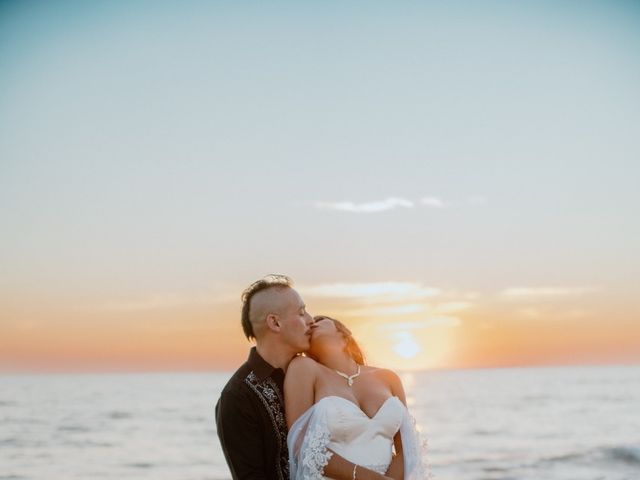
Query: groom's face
pixel 296 322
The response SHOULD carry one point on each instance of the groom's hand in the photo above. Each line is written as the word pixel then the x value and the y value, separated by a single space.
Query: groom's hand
pixel 340 468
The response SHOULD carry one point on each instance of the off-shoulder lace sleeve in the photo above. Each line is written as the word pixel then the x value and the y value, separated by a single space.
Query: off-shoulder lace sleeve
pixel 414 450
pixel 308 442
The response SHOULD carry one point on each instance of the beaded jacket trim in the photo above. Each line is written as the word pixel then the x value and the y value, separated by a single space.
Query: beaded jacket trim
pixel 271 397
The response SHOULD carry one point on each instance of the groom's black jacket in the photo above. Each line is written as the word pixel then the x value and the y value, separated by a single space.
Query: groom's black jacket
pixel 251 423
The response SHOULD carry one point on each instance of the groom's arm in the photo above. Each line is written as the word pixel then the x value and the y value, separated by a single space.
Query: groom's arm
pixel 396 468
pixel 237 427
pixel 342 469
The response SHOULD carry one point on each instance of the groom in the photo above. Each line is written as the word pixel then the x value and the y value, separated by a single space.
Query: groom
pixel 250 412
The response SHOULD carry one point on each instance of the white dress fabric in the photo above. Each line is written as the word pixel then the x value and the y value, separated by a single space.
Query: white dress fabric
pixel 335 424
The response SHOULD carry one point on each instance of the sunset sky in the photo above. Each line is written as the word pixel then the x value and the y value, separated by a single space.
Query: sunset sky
pixel 458 181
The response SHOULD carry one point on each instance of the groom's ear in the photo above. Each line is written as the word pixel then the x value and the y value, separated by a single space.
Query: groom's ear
pixel 273 323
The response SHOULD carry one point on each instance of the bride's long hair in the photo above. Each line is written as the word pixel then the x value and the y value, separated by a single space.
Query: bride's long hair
pixel 352 348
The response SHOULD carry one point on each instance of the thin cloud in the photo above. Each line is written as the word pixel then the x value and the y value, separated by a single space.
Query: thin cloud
pixel 434 202
pixel 159 302
pixel 426 323
pixel 393 203
pixel 151 302
pixel 530 312
pixel 452 307
pixel 553 314
pixel 404 309
pixel 391 291
pixel 370 207
pixel 527 292
pixel 575 314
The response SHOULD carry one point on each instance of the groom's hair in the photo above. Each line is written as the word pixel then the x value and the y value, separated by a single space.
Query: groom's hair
pixel 270 281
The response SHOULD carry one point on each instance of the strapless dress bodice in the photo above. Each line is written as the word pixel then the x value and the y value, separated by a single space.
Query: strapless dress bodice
pixel 361 439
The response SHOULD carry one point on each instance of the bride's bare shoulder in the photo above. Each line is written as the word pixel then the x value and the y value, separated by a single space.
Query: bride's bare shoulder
pixel 302 365
pixel 390 377
pixel 379 371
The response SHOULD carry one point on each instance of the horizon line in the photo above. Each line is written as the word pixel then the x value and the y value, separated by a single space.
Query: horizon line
pixel 399 371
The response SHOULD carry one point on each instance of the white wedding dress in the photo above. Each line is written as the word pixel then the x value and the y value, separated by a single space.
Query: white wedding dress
pixel 335 424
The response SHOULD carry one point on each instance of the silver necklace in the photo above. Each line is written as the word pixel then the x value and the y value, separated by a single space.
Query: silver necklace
pixel 349 377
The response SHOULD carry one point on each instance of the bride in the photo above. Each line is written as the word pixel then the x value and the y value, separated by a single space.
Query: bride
pixel 336 404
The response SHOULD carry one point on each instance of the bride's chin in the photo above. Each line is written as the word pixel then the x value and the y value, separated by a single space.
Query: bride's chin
pixel 315 348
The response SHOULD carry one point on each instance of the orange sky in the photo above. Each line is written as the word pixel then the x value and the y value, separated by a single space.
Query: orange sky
pixel 411 329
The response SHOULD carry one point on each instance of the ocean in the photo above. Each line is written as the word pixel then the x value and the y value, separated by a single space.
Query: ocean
pixel 562 423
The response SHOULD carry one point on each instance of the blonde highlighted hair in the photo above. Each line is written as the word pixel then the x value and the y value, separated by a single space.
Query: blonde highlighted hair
pixel 273 280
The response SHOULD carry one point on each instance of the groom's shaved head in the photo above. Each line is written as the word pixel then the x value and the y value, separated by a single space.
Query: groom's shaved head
pixel 269 301
pixel 267 295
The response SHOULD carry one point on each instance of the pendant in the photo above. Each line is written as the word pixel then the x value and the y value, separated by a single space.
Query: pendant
pixel 349 377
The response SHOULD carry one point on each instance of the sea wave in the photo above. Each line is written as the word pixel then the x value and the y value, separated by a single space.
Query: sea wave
pixel 629 455
pixel 565 457
pixel 624 454
pixel 118 415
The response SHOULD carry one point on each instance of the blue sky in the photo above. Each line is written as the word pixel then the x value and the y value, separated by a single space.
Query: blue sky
pixel 156 147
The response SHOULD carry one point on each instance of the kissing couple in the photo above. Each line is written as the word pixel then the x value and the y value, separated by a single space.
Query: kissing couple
pixel 324 414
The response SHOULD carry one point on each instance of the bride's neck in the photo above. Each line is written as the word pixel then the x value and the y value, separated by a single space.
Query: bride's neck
pixel 338 360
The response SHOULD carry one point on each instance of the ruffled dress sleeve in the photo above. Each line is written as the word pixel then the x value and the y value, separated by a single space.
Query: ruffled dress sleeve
pixel 414 450
pixel 308 443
